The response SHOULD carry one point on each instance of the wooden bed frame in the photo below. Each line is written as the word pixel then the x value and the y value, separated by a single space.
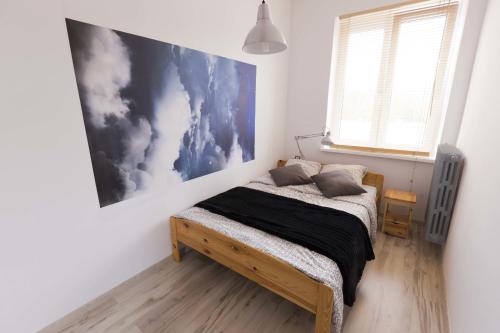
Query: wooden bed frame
pixel 264 269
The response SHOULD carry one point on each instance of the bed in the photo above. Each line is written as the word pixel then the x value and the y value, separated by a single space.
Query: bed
pixel 302 276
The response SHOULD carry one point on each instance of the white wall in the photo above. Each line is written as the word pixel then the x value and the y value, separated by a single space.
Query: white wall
pixel 471 265
pixel 310 59
pixel 58 249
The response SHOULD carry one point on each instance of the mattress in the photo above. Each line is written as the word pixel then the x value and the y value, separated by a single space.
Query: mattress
pixel 313 264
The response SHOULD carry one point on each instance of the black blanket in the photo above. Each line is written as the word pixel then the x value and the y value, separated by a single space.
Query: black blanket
pixel 338 235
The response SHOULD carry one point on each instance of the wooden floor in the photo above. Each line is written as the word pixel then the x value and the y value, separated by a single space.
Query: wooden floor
pixel 401 291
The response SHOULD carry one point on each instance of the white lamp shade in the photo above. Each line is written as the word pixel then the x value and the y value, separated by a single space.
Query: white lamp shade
pixel 264 38
pixel 327 139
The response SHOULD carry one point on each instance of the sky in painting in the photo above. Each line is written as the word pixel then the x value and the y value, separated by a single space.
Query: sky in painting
pixel 156 113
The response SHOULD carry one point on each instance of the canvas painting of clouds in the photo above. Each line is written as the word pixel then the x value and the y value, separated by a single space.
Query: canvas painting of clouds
pixel 158 114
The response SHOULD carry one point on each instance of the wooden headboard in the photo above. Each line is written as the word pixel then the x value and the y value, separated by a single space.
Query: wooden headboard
pixel 373 179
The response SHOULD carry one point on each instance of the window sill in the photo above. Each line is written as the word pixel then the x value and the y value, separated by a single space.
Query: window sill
pixel 422 159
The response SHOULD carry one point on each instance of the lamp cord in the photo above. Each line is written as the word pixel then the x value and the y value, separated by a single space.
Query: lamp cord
pixel 298 146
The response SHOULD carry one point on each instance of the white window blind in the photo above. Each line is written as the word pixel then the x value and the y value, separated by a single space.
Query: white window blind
pixel 389 76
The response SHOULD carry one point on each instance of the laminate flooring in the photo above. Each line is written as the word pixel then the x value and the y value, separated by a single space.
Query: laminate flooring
pixel 401 291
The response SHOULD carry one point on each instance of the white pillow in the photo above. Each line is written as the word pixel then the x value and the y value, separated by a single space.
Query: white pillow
pixel 356 171
pixel 310 168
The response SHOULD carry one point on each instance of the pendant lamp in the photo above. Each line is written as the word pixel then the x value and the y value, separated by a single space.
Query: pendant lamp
pixel 264 38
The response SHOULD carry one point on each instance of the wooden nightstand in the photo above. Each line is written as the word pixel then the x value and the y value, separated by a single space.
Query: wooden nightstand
pixel 394 223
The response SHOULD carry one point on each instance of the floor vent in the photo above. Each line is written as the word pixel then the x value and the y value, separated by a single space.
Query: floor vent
pixel 445 179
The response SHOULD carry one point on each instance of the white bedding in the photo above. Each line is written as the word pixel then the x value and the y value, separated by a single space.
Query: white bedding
pixel 311 263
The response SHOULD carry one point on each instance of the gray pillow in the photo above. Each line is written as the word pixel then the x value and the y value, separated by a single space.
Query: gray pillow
pixel 290 175
pixel 337 183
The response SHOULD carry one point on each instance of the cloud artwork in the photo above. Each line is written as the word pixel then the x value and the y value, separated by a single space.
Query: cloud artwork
pixel 157 114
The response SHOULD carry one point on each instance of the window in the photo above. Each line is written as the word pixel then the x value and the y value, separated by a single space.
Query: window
pixel 389 74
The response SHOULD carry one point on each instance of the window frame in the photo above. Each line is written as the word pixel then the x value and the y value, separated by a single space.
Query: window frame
pixel 381 110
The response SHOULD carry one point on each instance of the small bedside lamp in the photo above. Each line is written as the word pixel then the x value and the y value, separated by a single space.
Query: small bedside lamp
pixel 326 139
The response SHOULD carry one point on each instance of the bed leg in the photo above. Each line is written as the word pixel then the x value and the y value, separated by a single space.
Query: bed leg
pixel 324 309
pixel 176 254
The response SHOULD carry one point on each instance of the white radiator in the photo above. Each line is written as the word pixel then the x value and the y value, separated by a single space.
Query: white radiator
pixel 445 179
